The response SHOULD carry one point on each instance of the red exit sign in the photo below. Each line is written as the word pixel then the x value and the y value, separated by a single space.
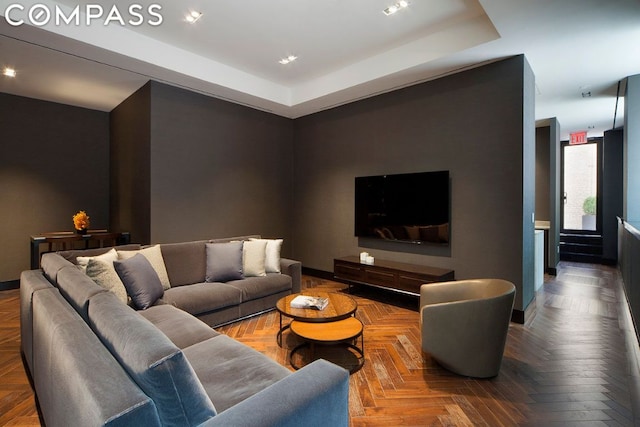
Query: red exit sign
pixel 578 138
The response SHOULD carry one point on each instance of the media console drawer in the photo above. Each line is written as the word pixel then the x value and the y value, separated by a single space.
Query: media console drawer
pixel 396 276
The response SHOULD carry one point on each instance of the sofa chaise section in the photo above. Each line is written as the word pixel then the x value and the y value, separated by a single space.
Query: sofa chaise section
pixel 218 381
pixel 76 379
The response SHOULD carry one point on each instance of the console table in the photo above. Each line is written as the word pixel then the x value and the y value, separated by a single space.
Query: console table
pixel 64 238
pixel 391 275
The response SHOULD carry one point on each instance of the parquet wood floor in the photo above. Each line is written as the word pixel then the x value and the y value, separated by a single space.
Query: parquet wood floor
pixel 574 363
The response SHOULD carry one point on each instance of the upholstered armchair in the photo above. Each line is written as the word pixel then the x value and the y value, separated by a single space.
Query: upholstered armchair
pixel 464 324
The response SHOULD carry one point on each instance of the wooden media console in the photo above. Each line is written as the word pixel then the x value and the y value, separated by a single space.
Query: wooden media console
pixel 391 275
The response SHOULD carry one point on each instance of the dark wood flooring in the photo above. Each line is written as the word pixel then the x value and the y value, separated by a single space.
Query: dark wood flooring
pixel 575 362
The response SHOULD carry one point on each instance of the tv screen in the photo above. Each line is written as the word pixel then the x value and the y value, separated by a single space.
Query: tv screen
pixel 409 207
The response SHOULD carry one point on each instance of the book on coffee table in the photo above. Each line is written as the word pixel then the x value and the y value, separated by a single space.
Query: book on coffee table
pixel 306 301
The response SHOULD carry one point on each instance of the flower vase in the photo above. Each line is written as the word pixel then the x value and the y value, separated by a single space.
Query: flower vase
pixel 82 231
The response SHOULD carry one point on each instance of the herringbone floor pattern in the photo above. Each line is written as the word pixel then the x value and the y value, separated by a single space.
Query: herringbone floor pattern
pixel 568 366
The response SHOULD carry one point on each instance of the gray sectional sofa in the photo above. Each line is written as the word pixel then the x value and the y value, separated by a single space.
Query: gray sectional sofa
pixel 95 360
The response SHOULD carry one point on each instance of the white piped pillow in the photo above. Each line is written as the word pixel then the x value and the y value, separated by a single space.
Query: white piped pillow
pixel 272 254
pixel 108 257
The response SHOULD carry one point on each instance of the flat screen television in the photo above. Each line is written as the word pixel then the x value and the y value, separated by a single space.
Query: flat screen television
pixel 408 207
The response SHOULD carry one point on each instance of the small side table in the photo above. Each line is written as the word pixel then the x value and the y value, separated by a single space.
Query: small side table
pixel 340 307
pixel 64 238
pixel 341 332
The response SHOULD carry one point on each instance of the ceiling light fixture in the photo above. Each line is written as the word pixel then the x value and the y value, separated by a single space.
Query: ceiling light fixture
pixel 395 7
pixel 193 16
pixel 288 59
pixel 9 72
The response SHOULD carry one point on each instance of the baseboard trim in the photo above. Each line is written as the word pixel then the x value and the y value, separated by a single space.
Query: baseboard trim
pixel 320 274
pixel 523 316
pixel 10 284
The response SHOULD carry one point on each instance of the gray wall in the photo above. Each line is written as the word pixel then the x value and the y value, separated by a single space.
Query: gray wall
pixel 130 165
pixel 215 169
pixel 612 183
pixel 548 177
pixel 543 173
pixel 555 195
pixel 54 161
pixel 478 124
pixel 631 209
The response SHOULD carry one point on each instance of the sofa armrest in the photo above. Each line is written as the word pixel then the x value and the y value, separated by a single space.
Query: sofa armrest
pixel 31 281
pixel 316 395
pixel 294 269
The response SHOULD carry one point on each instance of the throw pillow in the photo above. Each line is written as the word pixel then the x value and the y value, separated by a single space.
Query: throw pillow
pixel 253 258
pixel 108 256
pixel 140 280
pixel 105 275
pixel 224 261
pixel 154 255
pixel 272 255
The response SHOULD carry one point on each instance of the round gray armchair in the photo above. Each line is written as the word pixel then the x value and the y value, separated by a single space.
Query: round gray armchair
pixel 464 324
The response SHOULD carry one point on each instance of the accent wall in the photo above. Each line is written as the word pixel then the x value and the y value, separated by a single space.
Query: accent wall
pixel 54 161
pixel 478 124
pixel 208 168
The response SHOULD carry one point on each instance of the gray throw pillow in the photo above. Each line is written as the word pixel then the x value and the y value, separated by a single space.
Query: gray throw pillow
pixel 224 262
pixel 140 280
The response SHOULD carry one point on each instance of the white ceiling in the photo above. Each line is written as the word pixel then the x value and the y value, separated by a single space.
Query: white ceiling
pixel 346 50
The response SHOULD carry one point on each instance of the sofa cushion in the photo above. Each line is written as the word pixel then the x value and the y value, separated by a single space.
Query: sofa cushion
pixel 77 288
pixel 224 261
pixel 235 239
pixel 51 263
pixel 140 280
pixel 272 255
pixel 238 371
pixel 179 326
pixel 186 262
pixel 154 255
pixel 203 297
pixel 257 287
pixel 152 360
pixel 253 258
pixel 108 256
pixel 105 275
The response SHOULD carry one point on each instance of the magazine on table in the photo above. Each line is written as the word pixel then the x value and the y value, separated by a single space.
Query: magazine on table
pixel 306 301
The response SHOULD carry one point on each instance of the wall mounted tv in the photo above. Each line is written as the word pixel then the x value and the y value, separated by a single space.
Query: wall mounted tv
pixel 409 207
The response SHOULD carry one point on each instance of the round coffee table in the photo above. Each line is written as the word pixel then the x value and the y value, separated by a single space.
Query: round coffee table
pixel 339 332
pixel 340 307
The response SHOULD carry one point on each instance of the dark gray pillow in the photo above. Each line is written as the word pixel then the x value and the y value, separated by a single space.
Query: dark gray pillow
pixel 140 279
pixel 224 262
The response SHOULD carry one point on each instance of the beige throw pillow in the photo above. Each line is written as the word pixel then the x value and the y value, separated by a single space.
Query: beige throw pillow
pixel 154 255
pixel 253 258
pixel 105 275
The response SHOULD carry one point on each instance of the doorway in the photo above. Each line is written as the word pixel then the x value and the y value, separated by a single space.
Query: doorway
pixel 580 235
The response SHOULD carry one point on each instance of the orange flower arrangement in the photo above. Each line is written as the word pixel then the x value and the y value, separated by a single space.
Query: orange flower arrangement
pixel 81 221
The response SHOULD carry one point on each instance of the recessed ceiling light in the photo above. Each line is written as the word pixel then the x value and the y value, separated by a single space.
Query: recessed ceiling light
pixel 395 7
pixel 193 16
pixel 9 72
pixel 288 59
